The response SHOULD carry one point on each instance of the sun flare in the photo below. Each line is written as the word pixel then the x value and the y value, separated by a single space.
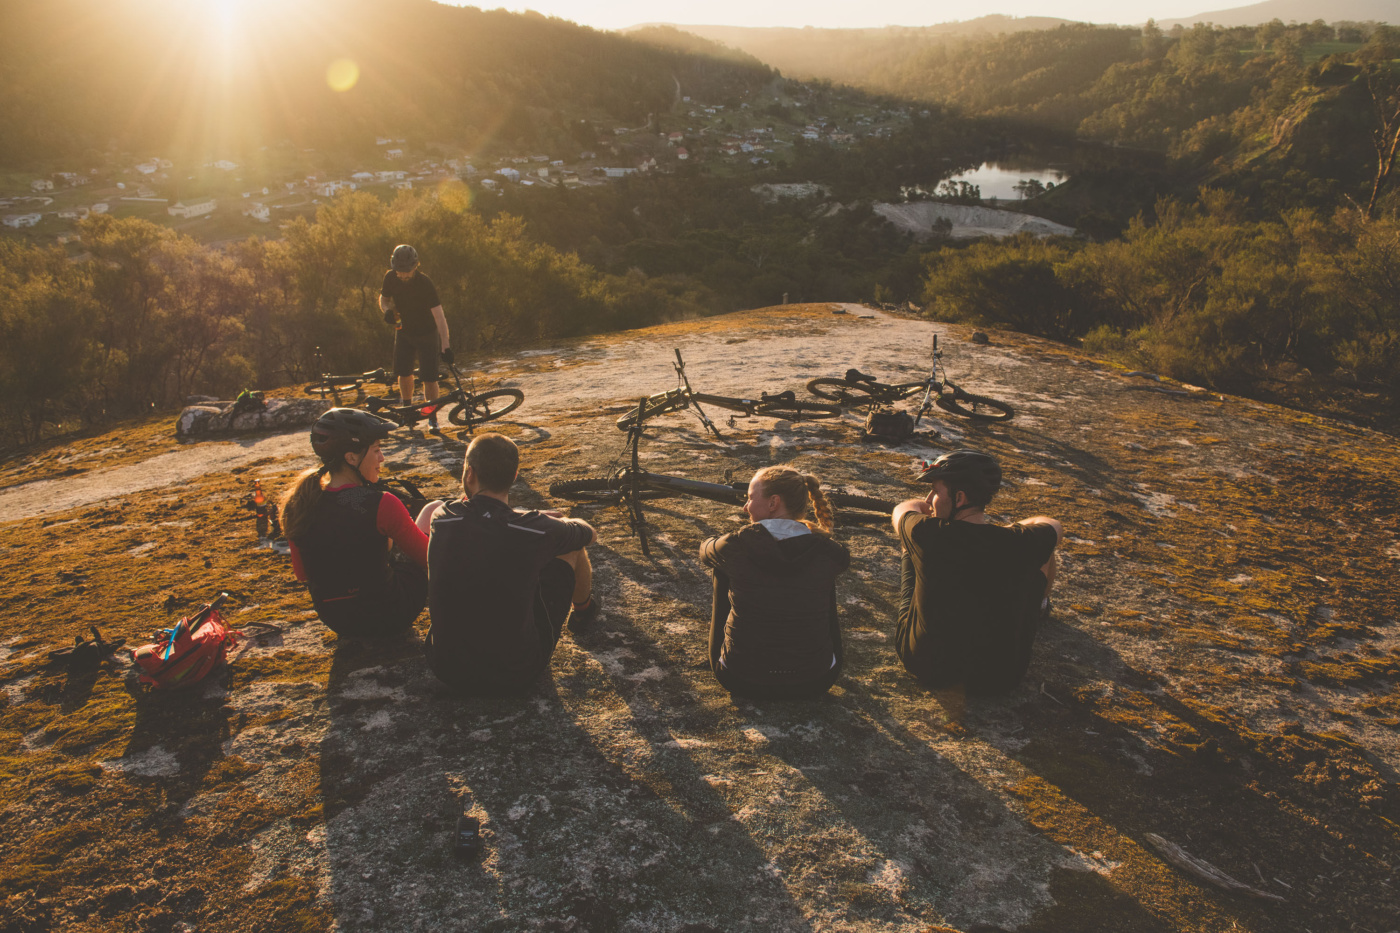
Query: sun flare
pixel 342 74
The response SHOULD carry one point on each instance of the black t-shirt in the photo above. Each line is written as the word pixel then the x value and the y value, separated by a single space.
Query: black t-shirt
pixel 414 300
pixel 484 563
pixel 976 589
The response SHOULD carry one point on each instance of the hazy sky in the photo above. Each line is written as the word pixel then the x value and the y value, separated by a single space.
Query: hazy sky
pixel 615 14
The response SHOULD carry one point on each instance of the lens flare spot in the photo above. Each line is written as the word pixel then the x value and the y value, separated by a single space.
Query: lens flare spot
pixel 342 74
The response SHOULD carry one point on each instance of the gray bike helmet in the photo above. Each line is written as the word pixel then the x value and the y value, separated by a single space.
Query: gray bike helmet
pixel 346 430
pixel 404 258
pixel 969 471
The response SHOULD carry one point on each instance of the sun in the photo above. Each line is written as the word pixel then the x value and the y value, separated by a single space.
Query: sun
pixel 224 13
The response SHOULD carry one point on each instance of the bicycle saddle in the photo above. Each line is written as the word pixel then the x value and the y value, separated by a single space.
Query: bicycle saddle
pixel 787 396
pixel 855 375
pixel 374 403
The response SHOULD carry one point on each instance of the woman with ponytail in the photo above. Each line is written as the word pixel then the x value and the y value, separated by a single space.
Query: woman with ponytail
pixel 341 528
pixel 774 632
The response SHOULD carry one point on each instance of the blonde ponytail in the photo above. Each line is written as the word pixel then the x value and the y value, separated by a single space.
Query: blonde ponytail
pixel 821 508
pixel 799 491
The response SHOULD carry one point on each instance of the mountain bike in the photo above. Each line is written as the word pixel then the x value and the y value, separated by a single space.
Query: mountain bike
pixel 857 388
pixel 465 408
pixel 783 405
pixel 336 386
pixel 629 484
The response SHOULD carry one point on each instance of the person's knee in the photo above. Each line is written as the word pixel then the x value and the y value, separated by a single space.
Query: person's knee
pixel 575 559
pixel 425 516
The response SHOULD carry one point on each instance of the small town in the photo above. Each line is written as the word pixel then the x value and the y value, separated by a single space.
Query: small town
pixel 219 200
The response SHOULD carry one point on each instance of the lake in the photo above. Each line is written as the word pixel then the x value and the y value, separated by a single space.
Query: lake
pixel 999 179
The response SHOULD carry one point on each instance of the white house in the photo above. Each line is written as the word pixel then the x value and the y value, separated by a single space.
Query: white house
pixel 73 213
pixel 193 209
pixel 362 176
pixel 619 172
pixel 391 175
pixel 509 174
pixel 21 220
pixel 489 183
pixel 404 185
pixel 41 184
pixel 675 139
pixel 682 154
pixel 329 188
pixel 258 211
pixel 100 207
pixel 382 140
pixel 393 153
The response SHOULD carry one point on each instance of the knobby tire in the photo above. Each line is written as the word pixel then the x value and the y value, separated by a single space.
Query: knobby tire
pixel 839 390
pixel 800 411
pixel 976 407
pixel 847 502
pixel 326 390
pixel 479 408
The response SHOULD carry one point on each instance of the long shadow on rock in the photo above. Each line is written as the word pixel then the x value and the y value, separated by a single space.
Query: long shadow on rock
pixel 1141 760
pixel 576 836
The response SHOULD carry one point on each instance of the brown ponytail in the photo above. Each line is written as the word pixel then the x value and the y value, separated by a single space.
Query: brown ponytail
pixel 798 491
pixel 299 502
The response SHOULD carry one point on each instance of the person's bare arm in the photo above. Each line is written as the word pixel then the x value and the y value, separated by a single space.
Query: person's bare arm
pixel 1046 520
pixel 442 326
pixel 912 505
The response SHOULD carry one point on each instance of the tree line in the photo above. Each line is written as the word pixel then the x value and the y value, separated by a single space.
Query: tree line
pixel 153 316
pixel 1199 290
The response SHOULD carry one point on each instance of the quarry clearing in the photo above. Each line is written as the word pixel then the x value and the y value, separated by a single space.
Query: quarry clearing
pixel 1220 672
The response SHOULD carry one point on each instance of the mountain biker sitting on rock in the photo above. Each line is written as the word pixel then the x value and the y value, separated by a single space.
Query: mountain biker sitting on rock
pixel 774 632
pixel 972 594
pixel 410 301
pixel 502 582
pixel 341 529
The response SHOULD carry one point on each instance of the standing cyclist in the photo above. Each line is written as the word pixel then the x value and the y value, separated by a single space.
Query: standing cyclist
pixel 410 300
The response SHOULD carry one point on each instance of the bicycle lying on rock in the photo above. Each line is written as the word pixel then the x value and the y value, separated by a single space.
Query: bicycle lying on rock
pixel 857 388
pixel 782 405
pixel 336 386
pixel 465 408
pixel 629 484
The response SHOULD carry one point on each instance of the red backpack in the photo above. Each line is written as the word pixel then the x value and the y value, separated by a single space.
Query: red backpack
pixel 185 654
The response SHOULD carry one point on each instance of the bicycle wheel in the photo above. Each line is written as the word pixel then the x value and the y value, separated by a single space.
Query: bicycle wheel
pixel 839 390
pixel 656 405
pixel 800 411
pixel 486 406
pixel 977 407
pixel 324 389
pixel 588 489
pixel 600 489
pixel 850 503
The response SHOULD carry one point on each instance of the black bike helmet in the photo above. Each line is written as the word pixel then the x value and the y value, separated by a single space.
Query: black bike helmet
pixel 404 259
pixel 341 431
pixel 968 471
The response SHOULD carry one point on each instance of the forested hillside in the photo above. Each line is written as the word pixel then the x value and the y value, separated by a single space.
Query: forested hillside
pixel 86 77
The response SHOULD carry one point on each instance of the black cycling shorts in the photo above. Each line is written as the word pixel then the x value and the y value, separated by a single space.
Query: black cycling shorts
pixel 427 348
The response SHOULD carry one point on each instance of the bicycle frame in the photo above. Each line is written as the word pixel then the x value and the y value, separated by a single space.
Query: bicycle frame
pixel 411 414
